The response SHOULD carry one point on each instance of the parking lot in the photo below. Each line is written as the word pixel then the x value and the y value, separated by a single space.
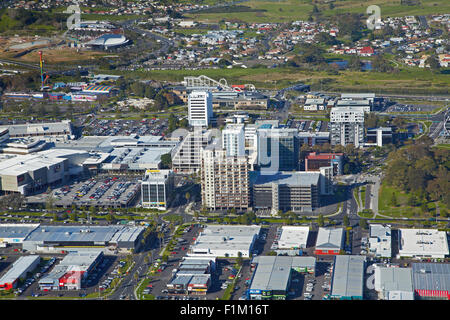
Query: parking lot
pixel 142 127
pixel 400 107
pixel 310 125
pixel 111 192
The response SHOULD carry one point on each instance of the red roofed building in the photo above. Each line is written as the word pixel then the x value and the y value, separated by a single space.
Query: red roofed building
pixel 366 51
pixel 315 161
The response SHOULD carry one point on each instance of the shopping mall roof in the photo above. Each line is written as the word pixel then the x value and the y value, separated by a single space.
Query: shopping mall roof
pixel 16 231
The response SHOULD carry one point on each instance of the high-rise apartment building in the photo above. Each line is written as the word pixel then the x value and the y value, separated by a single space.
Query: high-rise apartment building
pixel 186 156
pixel 233 139
pixel 225 180
pixel 347 126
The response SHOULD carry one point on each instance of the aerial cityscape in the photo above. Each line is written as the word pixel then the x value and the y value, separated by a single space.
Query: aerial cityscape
pixel 204 150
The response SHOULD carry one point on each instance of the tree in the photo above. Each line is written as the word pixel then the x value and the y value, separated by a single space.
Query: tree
pixel 412 200
pixel 110 218
pixel 350 25
pixel 424 208
pixel 173 121
pixel 312 54
pixel 363 223
pixel 326 38
pixel 320 220
pixel 73 216
pixel 239 259
pixel 166 160
pixel 346 221
pixel 433 62
pixel 393 201
pixel 355 63
pixel 49 202
pixel 381 64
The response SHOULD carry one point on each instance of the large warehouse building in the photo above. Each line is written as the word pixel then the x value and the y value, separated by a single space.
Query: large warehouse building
pixel 393 283
pixel 18 271
pixel 71 272
pixel 272 277
pixel 225 241
pixel 67 238
pixel 422 243
pixel 329 241
pixel 348 277
pixel 431 280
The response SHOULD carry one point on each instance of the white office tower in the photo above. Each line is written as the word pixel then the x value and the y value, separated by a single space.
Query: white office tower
pixel 233 140
pixel 156 189
pixel 200 108
pixel 347 126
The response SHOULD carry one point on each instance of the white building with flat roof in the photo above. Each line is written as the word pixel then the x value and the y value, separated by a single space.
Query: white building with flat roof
pixel 380 240
pixel 225 241
pixel 423 243
pixel 293 237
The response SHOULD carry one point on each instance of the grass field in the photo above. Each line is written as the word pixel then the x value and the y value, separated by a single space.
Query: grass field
pixel 363 196
pixel 443 146
pixel 408 81
pixel 54 56
pixel 274 11
pixel 291 10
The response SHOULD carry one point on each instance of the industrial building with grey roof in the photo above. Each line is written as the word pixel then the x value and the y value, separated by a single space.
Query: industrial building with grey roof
pixel 348 277
pixel 272 277
pixel 53 238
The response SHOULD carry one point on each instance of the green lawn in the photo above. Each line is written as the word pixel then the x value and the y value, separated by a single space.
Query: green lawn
pixel 402 210
pixel 363 196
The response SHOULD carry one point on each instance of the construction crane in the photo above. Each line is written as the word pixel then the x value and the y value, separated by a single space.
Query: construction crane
pixel 43 74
